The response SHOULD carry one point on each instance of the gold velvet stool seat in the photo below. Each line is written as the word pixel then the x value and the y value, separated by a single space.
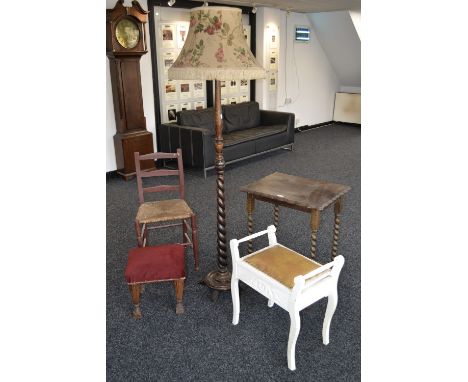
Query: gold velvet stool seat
pixel 288 279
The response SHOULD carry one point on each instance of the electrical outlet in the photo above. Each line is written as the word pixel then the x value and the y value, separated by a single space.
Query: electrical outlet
pixel 287 101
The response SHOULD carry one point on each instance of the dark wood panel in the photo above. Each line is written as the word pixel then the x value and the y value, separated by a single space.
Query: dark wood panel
pixel 131 83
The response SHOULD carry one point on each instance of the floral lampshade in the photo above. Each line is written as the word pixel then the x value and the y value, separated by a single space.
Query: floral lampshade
pixel 215 48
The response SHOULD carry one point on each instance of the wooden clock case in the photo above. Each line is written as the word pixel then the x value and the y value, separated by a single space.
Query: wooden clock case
pixel 124 65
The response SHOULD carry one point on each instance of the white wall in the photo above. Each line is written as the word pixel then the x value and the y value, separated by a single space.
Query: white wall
pixel 340 42
pixel 356 17
pixel 304 72
pixel 147 90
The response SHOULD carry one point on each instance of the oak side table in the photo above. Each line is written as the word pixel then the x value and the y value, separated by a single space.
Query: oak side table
pixel 307 195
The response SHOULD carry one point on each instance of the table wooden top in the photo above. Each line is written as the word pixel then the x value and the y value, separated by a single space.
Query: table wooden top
pixel 296 191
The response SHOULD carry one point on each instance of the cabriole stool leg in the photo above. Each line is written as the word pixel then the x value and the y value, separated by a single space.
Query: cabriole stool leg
pixel 331 307
pixel 293 334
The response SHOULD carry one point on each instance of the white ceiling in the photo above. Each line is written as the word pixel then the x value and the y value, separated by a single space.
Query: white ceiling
pixel 300 6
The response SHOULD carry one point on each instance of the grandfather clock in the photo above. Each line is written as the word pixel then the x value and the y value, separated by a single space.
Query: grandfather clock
pixel 125 44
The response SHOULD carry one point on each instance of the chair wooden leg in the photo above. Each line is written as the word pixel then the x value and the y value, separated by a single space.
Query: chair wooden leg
pixel 138 234
pixel 135 290
pixel 184 231
pixel 293 334
pixel 331 307
pixel 235 299
pixel 195 240
pixel 179 290
pixel 145 235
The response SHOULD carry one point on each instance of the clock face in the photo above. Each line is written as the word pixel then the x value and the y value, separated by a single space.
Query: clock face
pixel 127 33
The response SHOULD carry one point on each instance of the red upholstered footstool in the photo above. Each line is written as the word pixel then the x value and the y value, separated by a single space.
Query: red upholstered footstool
pixel 154 264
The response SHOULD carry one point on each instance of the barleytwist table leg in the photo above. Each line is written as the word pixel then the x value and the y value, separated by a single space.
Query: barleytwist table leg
pixel 250 209
pixel 336 228
pixel 314 225
pixel 276 216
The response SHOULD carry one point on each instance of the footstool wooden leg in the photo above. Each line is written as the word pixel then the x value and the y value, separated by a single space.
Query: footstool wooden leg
pixel 314 225
pixel 179 290
pixel 336 229
pixel 250 209
pixel 135 290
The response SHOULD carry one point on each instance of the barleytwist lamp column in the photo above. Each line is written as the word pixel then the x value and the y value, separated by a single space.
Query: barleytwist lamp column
pixel 215 49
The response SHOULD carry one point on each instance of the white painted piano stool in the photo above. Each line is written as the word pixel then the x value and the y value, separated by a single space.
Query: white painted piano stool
pixel 288 279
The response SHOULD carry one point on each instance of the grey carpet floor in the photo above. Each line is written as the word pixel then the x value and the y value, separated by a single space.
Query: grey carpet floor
pixel 202 344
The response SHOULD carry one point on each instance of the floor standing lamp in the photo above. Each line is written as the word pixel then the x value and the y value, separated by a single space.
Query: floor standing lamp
pixel 215 49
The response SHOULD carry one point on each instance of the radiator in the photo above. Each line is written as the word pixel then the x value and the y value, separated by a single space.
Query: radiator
pixel 347 108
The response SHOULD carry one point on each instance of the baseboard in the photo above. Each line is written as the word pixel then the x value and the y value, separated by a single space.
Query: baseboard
pixel 348 123
pixel 308 127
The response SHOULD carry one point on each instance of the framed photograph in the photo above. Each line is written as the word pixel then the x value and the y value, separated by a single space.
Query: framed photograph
pixel 233 88
pixel 170 90
pixel 199 105
pixel 247 34
pixel 185 106
pixel 244 85
pixel 168 36
pixel 182 30
pixel 198 89
pixel 224 101
pixel 273 39
pixel 168 59
pixel 185 89
pixel 273 64
pixel 244 98
pixel 272 81
pixel 171 112
pixel 223 88
pixel 233 100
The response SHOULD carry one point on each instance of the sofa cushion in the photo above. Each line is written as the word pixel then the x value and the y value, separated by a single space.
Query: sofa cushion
pixel 241 136
pixel 241 116
pixel 197 118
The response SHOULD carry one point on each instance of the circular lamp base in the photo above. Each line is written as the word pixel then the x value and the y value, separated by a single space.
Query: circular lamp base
pixel 217 280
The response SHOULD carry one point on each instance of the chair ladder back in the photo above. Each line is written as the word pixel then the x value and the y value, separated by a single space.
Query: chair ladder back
pixel 141 198
pixel 162 172
pixel 180 167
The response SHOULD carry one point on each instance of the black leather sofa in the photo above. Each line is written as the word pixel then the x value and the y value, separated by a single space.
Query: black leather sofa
pixel 247 131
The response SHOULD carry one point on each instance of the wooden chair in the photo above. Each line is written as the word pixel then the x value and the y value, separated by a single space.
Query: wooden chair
pixel 155 264
pixel 288 279
pixel 150 215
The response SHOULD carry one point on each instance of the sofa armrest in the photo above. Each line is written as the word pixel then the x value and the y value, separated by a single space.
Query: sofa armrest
pixel 200 130
pixel 269 117
pixel 193 141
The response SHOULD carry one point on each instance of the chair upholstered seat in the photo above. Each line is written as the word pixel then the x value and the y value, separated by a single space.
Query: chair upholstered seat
pixel 163 210
pixel 158 263
pixel 282 264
